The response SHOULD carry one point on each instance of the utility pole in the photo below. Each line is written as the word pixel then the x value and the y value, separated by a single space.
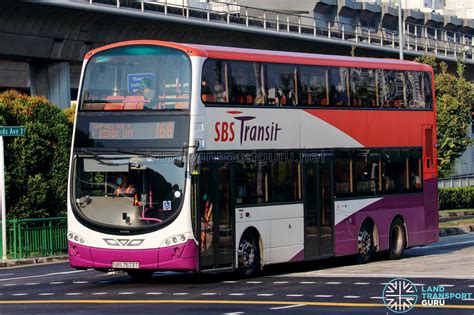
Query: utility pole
pixel 400 29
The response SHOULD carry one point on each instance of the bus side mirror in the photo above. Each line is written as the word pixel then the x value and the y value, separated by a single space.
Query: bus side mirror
pixel 194 164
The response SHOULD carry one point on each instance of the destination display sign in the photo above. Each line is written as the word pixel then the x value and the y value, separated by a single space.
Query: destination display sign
pixel 131 130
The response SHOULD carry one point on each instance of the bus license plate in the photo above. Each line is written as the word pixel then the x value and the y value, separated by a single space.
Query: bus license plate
pixel 125 264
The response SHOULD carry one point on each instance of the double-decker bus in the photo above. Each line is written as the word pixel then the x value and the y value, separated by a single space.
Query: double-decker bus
pixel 205 158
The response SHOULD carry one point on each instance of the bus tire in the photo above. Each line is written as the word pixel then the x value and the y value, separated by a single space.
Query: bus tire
pixel 140 275
pixel 365 243
pixel 249 255
pixel 397 239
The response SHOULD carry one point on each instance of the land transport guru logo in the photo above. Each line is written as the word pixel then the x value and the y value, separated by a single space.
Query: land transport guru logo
pixel 243 129
pixel 401 295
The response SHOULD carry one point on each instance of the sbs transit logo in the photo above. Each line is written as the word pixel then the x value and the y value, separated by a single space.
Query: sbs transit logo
pixel 245 129
pixel 400 295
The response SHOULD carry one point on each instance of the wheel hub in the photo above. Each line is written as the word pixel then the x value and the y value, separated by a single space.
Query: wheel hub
pixel 247 253
pixel 364 242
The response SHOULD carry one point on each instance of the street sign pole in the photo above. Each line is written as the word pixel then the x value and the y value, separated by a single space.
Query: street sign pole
pixel 2 196
pixel 7 131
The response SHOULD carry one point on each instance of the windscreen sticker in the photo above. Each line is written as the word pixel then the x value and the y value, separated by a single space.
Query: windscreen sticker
pixel 166 205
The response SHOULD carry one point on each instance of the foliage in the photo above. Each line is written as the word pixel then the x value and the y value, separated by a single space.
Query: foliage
pixel 36 165
pixel 455 99
pixel 456 198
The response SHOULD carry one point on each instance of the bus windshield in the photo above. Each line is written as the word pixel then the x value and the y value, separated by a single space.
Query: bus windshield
pixel 128 190
pixel 138 77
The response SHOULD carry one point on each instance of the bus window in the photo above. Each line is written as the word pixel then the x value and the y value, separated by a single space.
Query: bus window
pixel 391 85
pixel 427 88
pixel 343 174
pixel 250 181
pixel 414 84
pixel 283 182
pixel 214 84
pixel 339 86
pixel 280 81
pixel 313 86
pixel 363 87
pixel 246 83
pixel 137 77
pixel 394 172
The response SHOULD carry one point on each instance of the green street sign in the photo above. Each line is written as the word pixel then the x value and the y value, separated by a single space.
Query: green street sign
pixel 12 131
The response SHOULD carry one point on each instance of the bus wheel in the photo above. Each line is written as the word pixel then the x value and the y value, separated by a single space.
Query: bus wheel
pixel 397 239
pixel 140 275
pixel 249 256
pixel 365 244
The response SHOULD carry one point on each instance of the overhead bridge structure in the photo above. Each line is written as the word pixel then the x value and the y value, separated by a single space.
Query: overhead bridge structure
pixel 44 41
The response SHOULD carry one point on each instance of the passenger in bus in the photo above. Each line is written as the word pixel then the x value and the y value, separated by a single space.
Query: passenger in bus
pixel 123 188
pixel 147 90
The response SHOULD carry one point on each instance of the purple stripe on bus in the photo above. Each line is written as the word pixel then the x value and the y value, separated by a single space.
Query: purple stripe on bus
pixel 298 257
pixel 421 224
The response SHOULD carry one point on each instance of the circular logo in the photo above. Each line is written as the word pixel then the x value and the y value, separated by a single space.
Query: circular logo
pixel 400 295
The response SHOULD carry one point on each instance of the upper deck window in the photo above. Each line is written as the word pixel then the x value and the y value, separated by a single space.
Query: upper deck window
pixel 138 77
pixel 277 84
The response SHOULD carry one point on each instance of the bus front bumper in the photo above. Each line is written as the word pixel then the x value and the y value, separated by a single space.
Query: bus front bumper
pixel 179 257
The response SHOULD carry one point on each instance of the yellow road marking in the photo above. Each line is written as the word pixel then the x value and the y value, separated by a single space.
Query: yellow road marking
pixel 228 302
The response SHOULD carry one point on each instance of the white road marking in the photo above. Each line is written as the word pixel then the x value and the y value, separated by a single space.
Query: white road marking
pixel 209 293
pixel 294 295
pixel 73 293
pixel 6 274
pixel 154 293
pixel 32 283
pixel 351 296
pixel 362 283
pixel 265 294
pixel 253 282
pixel 289 306
pixel 234 313
pixel 376 297
pixel 307 282
pixel 229 281
pixel 105 282
pixel 46 293
pixel 236 294
pixel 99 293
pixel 471 286
pixel 20 294
pixel 323 295
pixel 43 275
pixel 446 285
pixel 79 282
pixel 126 293
pixel 57 282
pixel 180 293
pixel 8 284
pixel 333 282
pixel 280 282
pixel 468 300
pixel 416 284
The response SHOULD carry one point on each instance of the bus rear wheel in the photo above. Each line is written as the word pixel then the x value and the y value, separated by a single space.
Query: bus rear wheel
pixel 365 244
pixel 140 275
pixel 397 240
pixel 249 256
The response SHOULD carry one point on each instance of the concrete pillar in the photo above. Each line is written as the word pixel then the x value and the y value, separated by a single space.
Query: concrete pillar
pixel 52 80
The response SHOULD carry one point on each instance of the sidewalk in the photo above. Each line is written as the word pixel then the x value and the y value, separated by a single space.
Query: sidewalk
pixel 31 261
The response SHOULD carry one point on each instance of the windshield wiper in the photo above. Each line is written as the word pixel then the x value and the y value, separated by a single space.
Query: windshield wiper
pixel 101 159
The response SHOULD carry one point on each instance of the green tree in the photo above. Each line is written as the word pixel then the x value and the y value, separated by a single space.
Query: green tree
pixel 454 102
pixel 36 165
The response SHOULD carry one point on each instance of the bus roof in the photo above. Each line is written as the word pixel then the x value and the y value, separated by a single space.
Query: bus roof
pixel 246 54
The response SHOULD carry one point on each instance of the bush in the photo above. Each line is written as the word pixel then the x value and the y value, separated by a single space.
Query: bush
pixel 456 198
pixel 36 165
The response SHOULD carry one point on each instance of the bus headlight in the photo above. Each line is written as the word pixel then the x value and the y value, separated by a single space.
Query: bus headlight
pixel 174 240
pixel 76 238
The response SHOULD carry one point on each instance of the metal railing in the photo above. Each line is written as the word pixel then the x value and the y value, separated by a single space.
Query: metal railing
pixel 418 38
pixel 36 237
pixel 456 181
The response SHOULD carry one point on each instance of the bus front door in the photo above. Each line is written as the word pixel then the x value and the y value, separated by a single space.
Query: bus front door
pixel 318 206
pixel 216 227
